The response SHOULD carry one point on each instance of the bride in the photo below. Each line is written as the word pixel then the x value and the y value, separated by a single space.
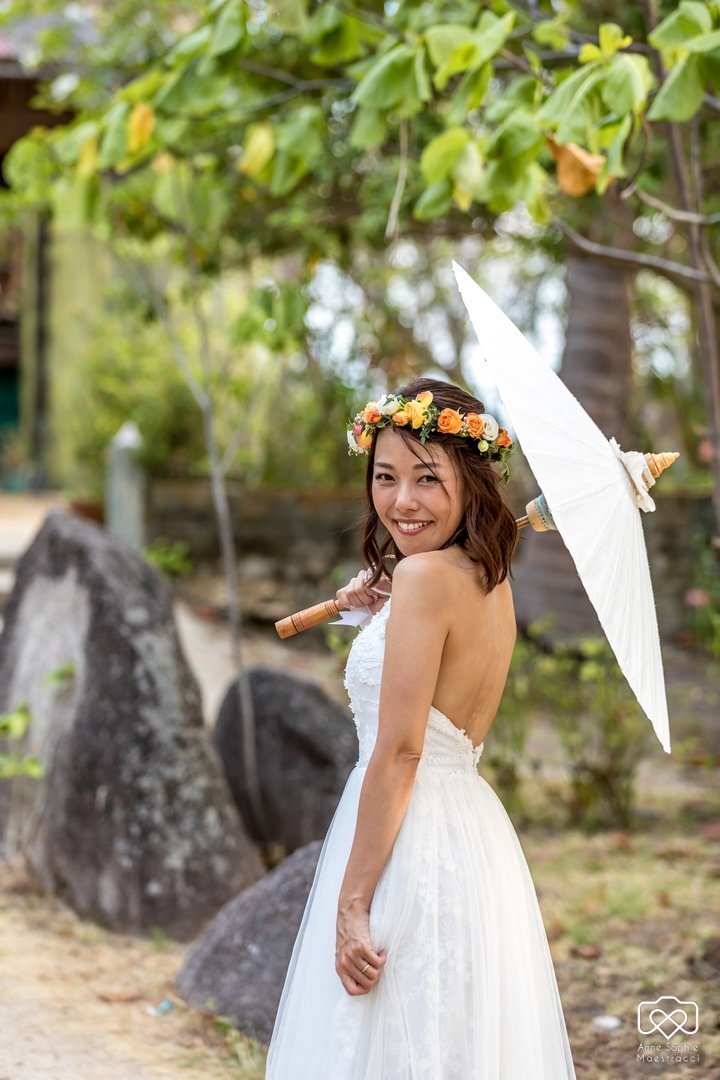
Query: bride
pixel 422 953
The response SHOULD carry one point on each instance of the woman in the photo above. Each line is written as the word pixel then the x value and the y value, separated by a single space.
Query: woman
pixel 422 953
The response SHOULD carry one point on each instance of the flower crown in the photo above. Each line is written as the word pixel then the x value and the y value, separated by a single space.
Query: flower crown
pixel 419 413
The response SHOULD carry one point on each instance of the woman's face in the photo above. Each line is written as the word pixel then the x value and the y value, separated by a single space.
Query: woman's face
pixel 410 500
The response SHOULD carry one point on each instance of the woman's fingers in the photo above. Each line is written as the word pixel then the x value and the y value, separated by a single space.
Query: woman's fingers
pixel 357 594
pixel 359 974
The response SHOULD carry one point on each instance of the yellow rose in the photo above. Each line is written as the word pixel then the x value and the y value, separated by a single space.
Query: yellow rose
pixel 425 398
pixel 475 425
pixel 364 440
pixel 416 413
pixel 449 421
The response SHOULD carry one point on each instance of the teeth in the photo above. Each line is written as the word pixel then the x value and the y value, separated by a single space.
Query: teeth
pixel 407 528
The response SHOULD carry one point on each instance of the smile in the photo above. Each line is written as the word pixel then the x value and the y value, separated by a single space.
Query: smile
pixel 412 526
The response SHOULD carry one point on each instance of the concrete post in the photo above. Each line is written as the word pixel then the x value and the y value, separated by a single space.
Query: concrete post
pixel 125 487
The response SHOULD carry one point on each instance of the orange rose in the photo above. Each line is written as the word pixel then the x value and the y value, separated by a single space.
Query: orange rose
pixel 475 425
pixel 364 440
pixel 371 413
pixel 400 418
pixel 449 421
pixel 503 438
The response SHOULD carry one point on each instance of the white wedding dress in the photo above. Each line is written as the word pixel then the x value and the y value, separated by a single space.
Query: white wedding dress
pixel 468 991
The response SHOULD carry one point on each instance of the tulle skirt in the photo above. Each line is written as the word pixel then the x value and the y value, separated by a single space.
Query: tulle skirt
pixel 468 991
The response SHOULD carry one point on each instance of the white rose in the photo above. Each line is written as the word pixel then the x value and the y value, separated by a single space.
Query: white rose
pixel 491 429
pixel 352 443
pixel 388 405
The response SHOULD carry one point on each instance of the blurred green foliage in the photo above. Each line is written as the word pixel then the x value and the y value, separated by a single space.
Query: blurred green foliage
pixel 170 557
pixel 13 728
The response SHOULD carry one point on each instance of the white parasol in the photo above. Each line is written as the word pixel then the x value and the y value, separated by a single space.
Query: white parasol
pixel 594 492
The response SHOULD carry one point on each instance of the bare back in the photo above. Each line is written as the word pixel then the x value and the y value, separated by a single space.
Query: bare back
pixel 478 650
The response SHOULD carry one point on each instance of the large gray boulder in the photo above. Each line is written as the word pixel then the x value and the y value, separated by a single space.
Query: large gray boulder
pixel 306 748
pixel 237 967
pixel 132 823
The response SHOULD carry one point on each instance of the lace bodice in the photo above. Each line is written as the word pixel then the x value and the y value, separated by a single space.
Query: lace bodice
pixel 446 748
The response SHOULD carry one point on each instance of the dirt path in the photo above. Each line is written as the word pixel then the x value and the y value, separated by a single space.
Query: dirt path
pixel 74 1002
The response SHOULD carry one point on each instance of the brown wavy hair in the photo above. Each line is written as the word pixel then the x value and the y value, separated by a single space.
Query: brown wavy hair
pixel 488 532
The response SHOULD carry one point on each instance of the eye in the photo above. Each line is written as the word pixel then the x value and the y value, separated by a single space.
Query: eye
pixel 383 476
pixel 429 476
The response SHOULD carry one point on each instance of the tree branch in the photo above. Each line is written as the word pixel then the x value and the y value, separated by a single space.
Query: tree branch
pixel 631 259
pixel 686 216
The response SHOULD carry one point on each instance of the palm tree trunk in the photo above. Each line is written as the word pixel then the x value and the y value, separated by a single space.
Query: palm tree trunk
pixel 596 368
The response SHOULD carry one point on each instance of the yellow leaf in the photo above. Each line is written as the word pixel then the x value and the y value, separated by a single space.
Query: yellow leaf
pixel 259 149
pixel 462 198
pixel 87 161
pixel 141 124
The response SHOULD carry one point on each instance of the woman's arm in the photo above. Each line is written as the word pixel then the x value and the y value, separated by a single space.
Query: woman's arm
pixel 416 631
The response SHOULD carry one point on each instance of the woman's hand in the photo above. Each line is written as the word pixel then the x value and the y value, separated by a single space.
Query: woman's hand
pixel 354 952
pixel 357 594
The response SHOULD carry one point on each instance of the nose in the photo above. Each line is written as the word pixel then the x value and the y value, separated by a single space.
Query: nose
pixel 406 499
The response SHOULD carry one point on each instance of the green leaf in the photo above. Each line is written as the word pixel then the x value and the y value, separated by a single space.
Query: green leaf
pixel 613 138
pixel 589 53
pixel 229 29
pixel 680 96
pixel 69 146
pixel 568 96
pixel 626 84
pixel 422 79
pixel 611 39
pixel 517 137
pixel 387 81
pixel 456 49
pixel 434 202
pixel 368 129
pixel 468 177
pixel 470 93
pixel 113 147
pixel 443 40
pixel 687 21
pixel 61 675
pixel 704 43
pixel 191 44
pixel 14 724
pixel 552 32
pixel 442 154
pixel 290 16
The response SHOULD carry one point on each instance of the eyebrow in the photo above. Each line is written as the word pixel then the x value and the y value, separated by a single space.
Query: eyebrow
pixel 385 465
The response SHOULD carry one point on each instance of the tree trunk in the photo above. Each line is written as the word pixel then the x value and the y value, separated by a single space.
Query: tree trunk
pixel 596 368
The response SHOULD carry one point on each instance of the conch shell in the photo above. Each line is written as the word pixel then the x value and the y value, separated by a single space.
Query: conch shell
pixel 658 463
